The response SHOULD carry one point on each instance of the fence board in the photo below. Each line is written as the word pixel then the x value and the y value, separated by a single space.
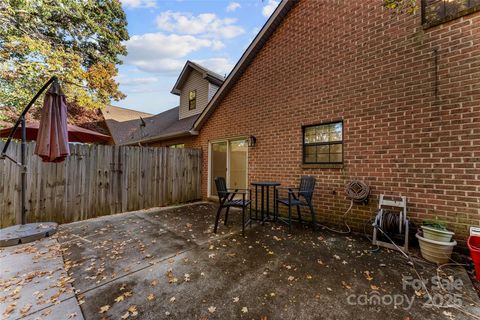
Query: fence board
pixel 98 180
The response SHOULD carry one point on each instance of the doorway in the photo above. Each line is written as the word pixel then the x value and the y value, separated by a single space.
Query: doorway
pixel 228 159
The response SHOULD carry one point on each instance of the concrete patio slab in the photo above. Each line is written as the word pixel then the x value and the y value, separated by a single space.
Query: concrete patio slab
pixel 270 274
pixel 33 279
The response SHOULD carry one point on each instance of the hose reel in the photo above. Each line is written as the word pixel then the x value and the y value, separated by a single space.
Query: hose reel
pixel 389 221
pixel 358 192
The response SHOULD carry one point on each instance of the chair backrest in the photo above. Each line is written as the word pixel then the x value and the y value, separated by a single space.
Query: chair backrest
pixel 221 185
pixel 307 186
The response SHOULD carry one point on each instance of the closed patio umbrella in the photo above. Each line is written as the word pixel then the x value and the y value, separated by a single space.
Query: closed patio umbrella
pixel 54 147
pixel 52 137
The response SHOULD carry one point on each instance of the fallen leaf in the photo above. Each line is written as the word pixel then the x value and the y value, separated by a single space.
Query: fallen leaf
pixel 120 298
pixel 10 308
pixel 150 297
pixel 212 309
pixel 104 308
pixel 25 309
pixel 172 299
pixel 236 299
pixel 368 276
pixel 244 309
pixel 133 310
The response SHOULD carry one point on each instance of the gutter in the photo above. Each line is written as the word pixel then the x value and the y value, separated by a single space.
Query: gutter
pixel 172 135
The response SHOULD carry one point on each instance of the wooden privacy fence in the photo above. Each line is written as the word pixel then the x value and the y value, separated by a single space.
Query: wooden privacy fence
pixel 98 180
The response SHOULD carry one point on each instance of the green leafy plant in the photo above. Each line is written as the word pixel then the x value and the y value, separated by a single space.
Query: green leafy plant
pixel 436 224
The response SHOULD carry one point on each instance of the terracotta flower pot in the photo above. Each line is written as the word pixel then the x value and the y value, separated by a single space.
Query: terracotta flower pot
pixel 435 251
pixel 437 234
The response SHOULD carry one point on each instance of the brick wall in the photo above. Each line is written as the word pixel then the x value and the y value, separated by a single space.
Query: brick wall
pixel 409 99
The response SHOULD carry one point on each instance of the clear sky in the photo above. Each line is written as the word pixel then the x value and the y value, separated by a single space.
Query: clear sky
pixel 164 34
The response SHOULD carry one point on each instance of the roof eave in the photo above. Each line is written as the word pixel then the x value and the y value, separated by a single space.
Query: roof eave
pixel 172 135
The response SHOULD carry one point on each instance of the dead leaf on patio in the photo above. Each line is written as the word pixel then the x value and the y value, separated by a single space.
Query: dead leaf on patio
pixel 133 310
pixel 154 283
pixel 368 276
pixel 172 299
pixel 72 315
pixel 171 278
pixel 236 299
pixel 25 309
pixel 186 277
pixel 374 287
pixel 125 315
pixel 212 309
pixel 150 297
pixel 120 298
pixel 346 285
pixel 309 277
pixel 10 308
pixel 104 308
pixel 291 278
pixel 244 309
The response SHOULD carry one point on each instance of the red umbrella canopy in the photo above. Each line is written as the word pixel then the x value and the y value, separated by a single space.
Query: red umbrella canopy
pixel 75 134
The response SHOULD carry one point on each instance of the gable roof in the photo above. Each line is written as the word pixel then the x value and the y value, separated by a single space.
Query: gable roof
pixel 207 74
pixel 122 123
pixel 162 126
pixel 257 44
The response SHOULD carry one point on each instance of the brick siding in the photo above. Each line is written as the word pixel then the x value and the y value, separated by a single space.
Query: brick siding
pixel 411 127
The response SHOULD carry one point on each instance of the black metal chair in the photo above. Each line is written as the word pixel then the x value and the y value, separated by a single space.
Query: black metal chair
pixel 226 197
pixel 298 197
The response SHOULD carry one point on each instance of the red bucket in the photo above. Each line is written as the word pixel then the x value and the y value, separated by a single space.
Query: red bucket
pixel 474 246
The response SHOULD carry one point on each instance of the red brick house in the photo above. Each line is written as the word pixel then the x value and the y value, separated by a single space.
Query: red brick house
pixel 345 90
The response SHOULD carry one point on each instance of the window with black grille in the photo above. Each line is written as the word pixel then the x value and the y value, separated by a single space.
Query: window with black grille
pixel 435 12
pixel 323 143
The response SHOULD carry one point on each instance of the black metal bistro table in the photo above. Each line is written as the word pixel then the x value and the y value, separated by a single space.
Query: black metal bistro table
pixel 264 187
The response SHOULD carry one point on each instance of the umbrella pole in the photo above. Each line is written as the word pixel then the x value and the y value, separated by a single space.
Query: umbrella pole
pixel 24 171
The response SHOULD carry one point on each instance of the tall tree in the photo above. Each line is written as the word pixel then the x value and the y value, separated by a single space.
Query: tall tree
pixel 80 41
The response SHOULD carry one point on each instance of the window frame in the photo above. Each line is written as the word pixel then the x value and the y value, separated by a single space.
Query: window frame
pixel 192 100
pixel 446 18
pixel 341 142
